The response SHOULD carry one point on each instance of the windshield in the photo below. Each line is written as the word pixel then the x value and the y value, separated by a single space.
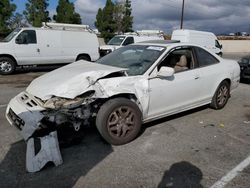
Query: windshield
pixel 117 40
pixel 136 58
pixel 11 35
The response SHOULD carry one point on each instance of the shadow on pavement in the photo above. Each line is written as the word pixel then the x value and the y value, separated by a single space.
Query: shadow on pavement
pixel 182 175
pixel 78 161
pixel 172 117
pixel 41 68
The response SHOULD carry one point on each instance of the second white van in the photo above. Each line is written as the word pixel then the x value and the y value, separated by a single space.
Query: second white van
pixel 119 41
pixel 205 39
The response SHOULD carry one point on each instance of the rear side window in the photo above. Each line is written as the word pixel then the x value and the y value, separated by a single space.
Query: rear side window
pixel 129 40
pixel 205 58
pixel 27 37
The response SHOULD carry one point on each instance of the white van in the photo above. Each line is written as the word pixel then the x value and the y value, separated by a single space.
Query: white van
pixel 205 39
pixel 47 45
pixel 129 38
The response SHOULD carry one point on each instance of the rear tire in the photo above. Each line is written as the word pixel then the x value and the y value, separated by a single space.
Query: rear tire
pixel 119 121
pixel 7 66
pixel 221 96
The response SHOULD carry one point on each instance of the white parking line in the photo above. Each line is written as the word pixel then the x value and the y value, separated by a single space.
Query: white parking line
pixel 232 174
pixel 3 105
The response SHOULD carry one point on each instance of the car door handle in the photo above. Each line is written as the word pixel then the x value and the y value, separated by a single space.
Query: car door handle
pixel 196 77
pixel 38 50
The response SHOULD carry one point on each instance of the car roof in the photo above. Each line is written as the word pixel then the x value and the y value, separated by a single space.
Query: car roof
pixel 166 43
pixel 161 41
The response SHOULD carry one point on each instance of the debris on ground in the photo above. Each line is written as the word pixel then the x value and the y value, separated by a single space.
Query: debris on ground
pixel 41 150
pixel 209 125
pixel 222 125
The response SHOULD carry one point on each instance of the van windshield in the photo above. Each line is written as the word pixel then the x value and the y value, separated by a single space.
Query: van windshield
pixel 11 35
pixel 117 40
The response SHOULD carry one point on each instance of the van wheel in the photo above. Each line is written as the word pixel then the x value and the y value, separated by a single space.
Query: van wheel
pixel 221 96
pixel 119 121
pixel 83 57
pixel 7 65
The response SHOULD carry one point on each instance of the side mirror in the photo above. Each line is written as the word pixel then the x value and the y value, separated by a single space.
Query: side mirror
pixel 166 72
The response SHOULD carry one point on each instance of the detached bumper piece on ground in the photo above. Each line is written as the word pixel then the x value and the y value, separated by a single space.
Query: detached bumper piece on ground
pixel 40 151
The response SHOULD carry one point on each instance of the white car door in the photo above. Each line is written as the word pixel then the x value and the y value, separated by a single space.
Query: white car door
pixel 179 92
pixel 26 48
pixel 210 72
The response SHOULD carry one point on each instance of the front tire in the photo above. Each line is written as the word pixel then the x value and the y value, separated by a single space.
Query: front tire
pixel 7 65
pixel 221 96
pixel 119 121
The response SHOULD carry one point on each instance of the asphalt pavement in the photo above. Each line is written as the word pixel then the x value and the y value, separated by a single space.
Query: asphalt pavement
pixel 191 149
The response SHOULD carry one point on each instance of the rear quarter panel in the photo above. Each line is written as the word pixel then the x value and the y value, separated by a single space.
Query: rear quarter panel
pixel 229 70
pixel 213 75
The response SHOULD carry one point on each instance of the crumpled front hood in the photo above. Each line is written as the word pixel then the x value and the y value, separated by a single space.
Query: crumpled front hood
pixel 69 81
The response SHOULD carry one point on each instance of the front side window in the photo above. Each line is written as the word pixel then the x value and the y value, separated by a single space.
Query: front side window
pixel 205 58
pixel 137 59
pixel 129 40
pixel 27 37
pixel 179 59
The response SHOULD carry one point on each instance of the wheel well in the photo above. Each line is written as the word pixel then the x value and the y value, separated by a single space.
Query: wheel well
pixel 129 96
pixel 228 81
pixel 9 56
pixel 83 55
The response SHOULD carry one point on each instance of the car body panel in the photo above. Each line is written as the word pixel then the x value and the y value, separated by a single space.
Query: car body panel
pixel 156 96
pixel 69 81
pixel 78 78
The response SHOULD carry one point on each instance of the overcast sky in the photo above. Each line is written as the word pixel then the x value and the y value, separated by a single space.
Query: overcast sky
pixel 218 16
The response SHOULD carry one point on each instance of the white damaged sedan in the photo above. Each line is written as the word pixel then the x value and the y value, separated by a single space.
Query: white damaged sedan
pixel 133 85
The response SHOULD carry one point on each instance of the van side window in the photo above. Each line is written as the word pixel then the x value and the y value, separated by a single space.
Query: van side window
pixel 27 37
pixel 128 40
pixel 204 58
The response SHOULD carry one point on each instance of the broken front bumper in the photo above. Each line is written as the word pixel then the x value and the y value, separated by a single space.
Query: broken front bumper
pixel 25 113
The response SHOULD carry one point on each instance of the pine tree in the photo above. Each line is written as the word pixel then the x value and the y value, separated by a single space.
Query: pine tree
pixel 6 11
pixel 99 20
pixel 108 21
pixel 127 20
pixel 118 17
pixel 36 12
pixel 105 22
pixel 114 18
pixel 66 13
